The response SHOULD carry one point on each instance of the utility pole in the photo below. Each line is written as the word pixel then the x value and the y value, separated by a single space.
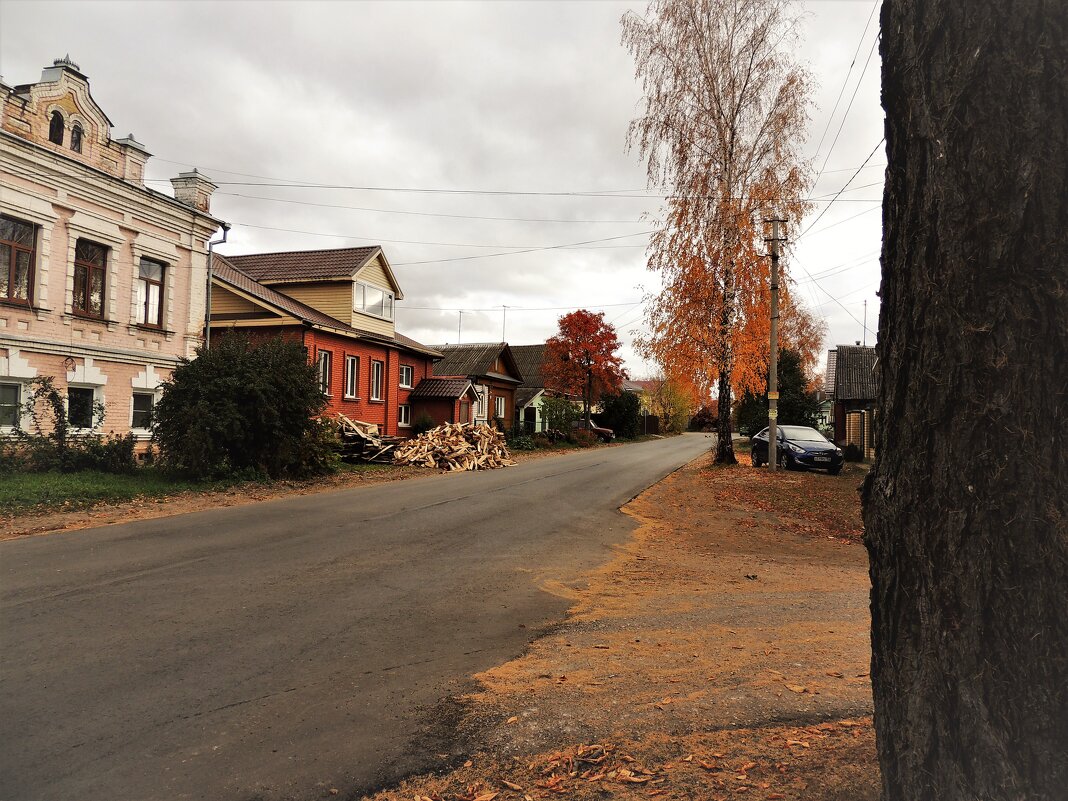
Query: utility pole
pixel 777 236
pixel 504 320
pixel 459 326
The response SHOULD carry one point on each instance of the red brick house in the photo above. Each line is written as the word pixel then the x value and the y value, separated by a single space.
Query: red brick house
pixel 492 370
pixel 339 304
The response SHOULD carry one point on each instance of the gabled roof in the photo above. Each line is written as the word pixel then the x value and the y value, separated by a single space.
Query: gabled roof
pixel 828 377
pixel 524 396
pixel 854 373
pixel 224 270
pixel 441 388
pixel 478 359
pixel 291 266
pixel 529 360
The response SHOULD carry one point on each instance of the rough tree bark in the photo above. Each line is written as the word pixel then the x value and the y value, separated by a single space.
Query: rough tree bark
pixel 965 508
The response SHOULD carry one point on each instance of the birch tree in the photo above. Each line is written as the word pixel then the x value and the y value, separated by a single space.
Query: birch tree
pixel 720 127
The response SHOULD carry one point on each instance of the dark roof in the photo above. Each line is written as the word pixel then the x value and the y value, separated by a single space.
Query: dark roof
pixel 305 265
pixel 225 271
pixel 529 359
pixel 524 395
pixel 477 359
pixel 440 388
pixel 854 373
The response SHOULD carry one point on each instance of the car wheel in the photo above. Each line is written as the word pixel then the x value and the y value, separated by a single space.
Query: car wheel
pixel 755 459
pixel 784 463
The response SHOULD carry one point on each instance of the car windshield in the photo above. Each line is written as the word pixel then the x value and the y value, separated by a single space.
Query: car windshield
pixel 802 434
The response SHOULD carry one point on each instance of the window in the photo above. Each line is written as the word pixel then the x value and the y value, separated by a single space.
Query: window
pixel 376 381
pixel 150 293
pixel 404 415
pixel 406 373
pixel 55 128
pixel 372 300
pixel 17 239
pixel 9 404
pixel 76 138
pixel 325 357
pixel 142 409
pixel 80 410
pixel 90 265
pixel 498 407
pixel 352 376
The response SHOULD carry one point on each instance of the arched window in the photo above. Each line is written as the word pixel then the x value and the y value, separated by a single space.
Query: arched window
pixel 55 128
pixel 76 138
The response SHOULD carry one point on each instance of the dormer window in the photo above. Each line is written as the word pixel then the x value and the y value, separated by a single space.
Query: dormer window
pixel 76 138
pixel 374 301
pixel 55 128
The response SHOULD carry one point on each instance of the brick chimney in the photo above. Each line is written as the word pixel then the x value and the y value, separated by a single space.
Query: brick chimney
pixel 193 189
pixel 136 157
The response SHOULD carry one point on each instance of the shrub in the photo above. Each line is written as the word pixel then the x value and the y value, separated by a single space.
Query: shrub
pixel 51 444
pixel 243 407
pixel 583 438
pixel 622 414
pixel 559 413
pixel 522 443
pixel 853 453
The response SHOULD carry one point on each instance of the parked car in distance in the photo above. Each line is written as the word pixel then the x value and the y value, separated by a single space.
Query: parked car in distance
pixel 799 448
pixel 602 433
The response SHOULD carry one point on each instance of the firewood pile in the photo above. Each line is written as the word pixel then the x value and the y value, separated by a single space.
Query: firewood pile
pixel 361 441
pixel 454 447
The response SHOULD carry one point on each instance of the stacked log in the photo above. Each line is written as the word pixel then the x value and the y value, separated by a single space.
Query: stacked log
pixel 454 447
pixel 361 441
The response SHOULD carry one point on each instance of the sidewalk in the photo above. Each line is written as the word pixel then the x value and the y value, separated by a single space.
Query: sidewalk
pixel 722 654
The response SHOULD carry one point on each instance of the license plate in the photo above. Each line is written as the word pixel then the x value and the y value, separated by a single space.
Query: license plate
pixel 821 458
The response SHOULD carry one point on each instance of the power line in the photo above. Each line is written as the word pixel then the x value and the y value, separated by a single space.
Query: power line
pixel 852 97
pixel 376 239
pixel 843 189
pixel 845 82
pixel 521 308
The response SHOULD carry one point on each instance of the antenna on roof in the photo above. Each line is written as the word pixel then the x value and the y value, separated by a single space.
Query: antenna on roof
pixel 864 333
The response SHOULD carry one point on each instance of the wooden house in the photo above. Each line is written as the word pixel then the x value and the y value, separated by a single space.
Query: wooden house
pixel 491 368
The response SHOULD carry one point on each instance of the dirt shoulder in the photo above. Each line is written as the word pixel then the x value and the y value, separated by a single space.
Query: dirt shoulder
pixel 723 653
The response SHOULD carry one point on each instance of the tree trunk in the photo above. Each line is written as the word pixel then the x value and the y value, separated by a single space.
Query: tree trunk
pixel 965 507
pixel 724 443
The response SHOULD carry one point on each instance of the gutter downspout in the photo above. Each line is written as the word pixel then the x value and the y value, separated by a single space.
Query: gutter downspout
pixel 207 305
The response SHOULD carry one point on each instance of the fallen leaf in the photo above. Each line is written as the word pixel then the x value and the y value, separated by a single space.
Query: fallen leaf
pixel 511 785
pixel 796 688
pixel 602 647
pixel 486 796
pixel 468 763
pixel 834 673
pixel 512 719
pixel 747 766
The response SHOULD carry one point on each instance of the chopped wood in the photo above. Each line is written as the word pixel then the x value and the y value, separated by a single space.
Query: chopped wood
pixel 361 441
pixel 454 447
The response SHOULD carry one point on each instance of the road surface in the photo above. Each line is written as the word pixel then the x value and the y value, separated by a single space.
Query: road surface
pixel 280 649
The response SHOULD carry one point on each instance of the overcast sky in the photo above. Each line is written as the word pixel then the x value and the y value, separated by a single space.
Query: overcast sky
pixel 509 97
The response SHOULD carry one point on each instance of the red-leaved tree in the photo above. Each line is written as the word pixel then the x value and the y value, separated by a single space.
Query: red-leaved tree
pixel 583 359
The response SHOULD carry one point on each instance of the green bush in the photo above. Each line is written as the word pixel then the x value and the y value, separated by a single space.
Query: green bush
pixel 622 414
pixel 243 407
pixel 50 444
pixel 559 413
pixel 522 443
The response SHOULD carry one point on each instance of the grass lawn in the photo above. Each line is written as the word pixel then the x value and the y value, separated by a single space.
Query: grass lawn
pixel 22 492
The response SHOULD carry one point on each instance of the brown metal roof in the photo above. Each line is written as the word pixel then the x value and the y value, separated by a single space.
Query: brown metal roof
pixel 440 388
pixel 305 265
pixel 224 269
pixel 477 359
pixel 854 373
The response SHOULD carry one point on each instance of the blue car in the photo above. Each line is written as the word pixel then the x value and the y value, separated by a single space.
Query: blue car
pixel 799 448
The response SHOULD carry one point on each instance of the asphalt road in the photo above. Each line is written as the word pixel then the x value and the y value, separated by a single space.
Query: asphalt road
pixel 277 650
